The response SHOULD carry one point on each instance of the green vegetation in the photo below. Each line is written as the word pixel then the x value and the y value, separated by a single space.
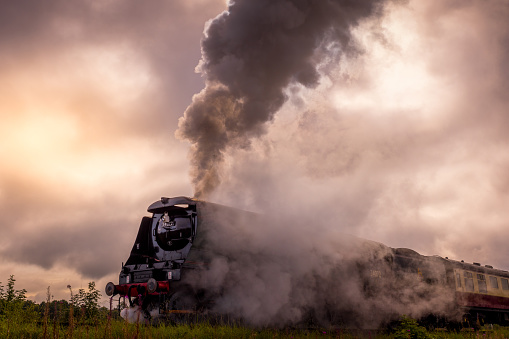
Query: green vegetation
pixel 20 317
pixel 409 328
pixel 82 317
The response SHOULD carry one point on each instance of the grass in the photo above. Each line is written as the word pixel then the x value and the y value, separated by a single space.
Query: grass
pixel 121 329
pixel 116 328
pixel 83 318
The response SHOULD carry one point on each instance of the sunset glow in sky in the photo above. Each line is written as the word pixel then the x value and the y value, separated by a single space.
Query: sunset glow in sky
pixel 405 142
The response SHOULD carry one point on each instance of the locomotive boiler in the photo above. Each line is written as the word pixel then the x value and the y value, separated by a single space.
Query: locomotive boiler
pixel 175 246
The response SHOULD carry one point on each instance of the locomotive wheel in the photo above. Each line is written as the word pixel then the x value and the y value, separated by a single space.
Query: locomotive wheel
pixel 182 307
pixel 182 301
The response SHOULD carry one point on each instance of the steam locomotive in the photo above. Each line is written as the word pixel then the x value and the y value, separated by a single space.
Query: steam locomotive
pixel 169 243
pixel 175 244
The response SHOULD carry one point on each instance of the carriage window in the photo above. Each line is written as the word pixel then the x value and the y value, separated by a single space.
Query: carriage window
pixel 505 284
pixel 494 282
pixel 481 282
pixel 458 279
pixel 469 281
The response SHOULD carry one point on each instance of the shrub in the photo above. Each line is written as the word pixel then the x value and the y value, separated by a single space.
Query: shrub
pixel 409 328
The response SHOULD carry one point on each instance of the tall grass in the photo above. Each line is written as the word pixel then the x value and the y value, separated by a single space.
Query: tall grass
pixel 83 318
pixel 46 313
pixel 118 328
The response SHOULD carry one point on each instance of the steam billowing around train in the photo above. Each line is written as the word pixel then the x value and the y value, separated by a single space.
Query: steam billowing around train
pixel 193 256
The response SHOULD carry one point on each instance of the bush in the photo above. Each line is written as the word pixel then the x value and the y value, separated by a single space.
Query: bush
pixel 15 309
pixel 87 302
pixel 409 328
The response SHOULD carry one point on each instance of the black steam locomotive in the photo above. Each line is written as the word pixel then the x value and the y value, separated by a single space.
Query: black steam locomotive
pixel 180 239
pixel 169 243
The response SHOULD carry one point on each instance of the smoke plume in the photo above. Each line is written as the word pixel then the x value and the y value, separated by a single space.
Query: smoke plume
pixel 406 145
pixel 250 54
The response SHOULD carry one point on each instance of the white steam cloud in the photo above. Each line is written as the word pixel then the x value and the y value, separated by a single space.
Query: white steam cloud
pixel 279 270
pixel 396 134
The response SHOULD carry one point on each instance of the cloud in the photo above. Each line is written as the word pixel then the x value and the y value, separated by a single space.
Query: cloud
pixel 89 99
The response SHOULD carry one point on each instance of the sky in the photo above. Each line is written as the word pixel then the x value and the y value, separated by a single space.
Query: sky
pixel 399 137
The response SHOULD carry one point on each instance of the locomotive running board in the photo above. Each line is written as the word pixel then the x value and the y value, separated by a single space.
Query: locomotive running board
pixel 178 312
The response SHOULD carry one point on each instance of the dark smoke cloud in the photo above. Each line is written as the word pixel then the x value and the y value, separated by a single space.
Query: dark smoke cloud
pixel 250 54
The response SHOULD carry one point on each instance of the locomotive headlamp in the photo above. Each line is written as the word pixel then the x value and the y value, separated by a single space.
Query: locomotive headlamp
pixel 151 285
pixel 166 223
pixel 110 289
